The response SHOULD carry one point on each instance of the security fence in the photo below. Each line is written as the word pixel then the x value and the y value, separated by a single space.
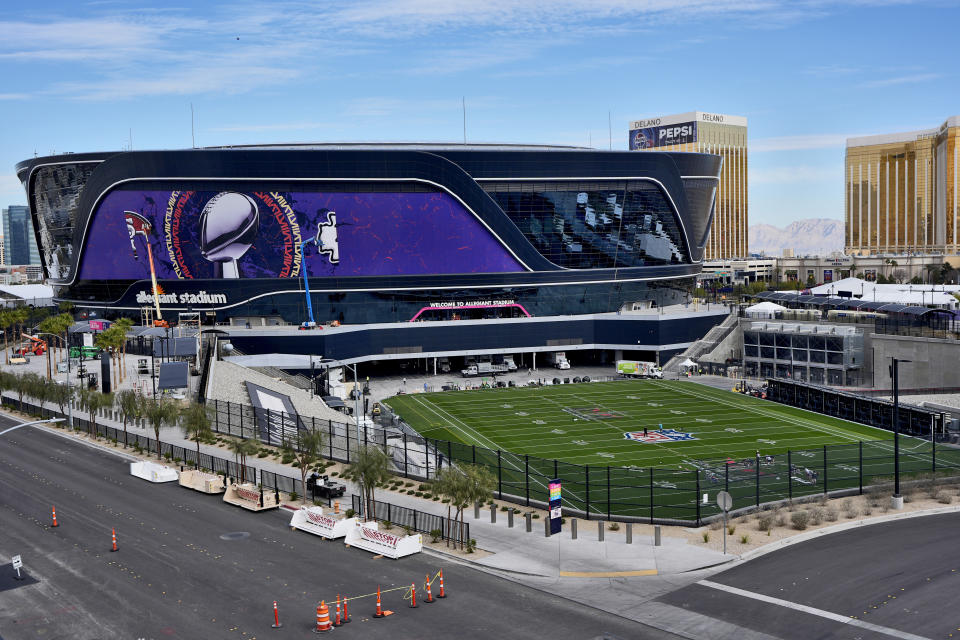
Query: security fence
pixel 614 493
pixel 414 520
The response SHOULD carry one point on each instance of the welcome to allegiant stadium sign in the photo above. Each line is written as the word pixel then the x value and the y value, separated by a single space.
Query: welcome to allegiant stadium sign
pixel 200 297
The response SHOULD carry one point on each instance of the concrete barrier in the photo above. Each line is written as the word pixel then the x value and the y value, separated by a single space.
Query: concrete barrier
pixel 327 525
pixel 153 472
pixel 250 497
pixel 366 535
pixel 202 481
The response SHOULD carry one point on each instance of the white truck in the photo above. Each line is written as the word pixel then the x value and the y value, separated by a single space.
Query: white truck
pixel 639 369
pixel 559 360
pixel 483 369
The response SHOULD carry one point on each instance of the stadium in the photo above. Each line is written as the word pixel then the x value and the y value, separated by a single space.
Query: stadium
pixel 382 235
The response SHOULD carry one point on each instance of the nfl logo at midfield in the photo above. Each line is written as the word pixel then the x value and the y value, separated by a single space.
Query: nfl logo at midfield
pixel 660 435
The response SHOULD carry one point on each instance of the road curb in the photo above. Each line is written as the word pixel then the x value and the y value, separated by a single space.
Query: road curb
pixel 844 526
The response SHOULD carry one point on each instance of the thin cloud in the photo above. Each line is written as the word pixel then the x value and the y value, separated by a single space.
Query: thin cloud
pixel 901 80
pixel 14 96
pixel 798 143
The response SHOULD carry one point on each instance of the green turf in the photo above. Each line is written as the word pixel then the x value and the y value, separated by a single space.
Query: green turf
pixel 541 422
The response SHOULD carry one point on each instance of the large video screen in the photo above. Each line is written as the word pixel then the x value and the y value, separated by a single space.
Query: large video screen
pixel 258 234
pixel 662 136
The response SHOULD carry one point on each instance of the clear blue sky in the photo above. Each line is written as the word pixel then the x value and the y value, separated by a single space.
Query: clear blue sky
pixel 78 76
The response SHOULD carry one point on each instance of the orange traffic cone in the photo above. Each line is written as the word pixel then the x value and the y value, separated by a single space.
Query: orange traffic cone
pixel 323 618
pixel 54 510
pixel 336 619
pixel 429 592
pixel 413 596
pixel 113 533
pixel 276 617
pixel 379 613
pixel 441 594
pixel 346 616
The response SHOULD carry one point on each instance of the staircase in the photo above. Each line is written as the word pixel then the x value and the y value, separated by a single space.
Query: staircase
pixel 299 381
pixel 704 345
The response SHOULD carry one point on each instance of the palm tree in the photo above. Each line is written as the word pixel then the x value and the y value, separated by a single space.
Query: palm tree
pixel 306 451
pixel 125 324
pixel 371 469
pixel 451 483
pixel 241 449
pixel 158 412
pixel 196 425
pixel 6 321
pixel 130 406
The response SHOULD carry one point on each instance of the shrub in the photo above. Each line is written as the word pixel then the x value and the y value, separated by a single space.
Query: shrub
pixel 503 508
pixel 335 473
pixel 706 537
pixel 294 495
pixel 781 519
pixel 446 501
pixel 408 484
pixel 944 498
pixel 418 493
pixel 428 495
pixel 349 513
pixel 731 529
pixel 435 535
pixel 830 514
pixel 436 498
pixel 766 522
pixel 423 487
pixel 849 510
pixel 262 454
pixel 536 516
pixel 816 515
pixel 799 519
pixel 389 525
pixel 744 539
pixel 614 526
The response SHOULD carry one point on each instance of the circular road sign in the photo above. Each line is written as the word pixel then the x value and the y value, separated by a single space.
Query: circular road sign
pixel 724 500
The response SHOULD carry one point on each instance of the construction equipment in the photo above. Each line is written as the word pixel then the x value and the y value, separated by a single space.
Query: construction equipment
pixel 35 346
pixel 326 242
pixel 137 225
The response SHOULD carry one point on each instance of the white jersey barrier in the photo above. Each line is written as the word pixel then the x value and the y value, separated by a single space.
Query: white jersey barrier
pixel 313 520
pixel 153 472
pixel 366 535
pixel 202 481
pixel 247 495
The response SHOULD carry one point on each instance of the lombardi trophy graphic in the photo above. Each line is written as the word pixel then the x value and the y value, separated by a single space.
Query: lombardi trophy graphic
pixel 228 226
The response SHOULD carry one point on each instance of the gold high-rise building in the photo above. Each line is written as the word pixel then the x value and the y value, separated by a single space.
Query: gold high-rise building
pixel 716 133
pixel 901 191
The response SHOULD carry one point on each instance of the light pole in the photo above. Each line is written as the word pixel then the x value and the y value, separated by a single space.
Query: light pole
pixel 897 501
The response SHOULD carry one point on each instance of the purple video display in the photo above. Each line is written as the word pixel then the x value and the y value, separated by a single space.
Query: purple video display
pixel 257 234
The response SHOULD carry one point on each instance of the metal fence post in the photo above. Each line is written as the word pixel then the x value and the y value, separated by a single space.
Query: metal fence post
pixel 346 430
pixel 933 455
pixel 473 448
pixel 586 477
pixel 500 477
pixel 826 477
pixel 330 437
pixel 426 454
pixel 449 452
pixel 405 471
pixel 651 495
pixel 629 533
pixel 526 477
pixel 726 477
pixel 757 478
pixel 608 492
pixel 696 496
pixel 789 476
pixel 861 467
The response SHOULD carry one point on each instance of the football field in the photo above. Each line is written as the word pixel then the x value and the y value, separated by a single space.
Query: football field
pixel 603 423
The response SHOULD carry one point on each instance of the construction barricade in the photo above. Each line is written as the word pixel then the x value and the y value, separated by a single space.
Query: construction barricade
pixel 153 472
pixel 250 497
pixel 202 481
pixel 328 525
pixel 366 535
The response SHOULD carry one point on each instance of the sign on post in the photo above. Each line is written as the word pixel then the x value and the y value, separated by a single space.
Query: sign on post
pixel 555 511
pixel 17 563
pixel 725 502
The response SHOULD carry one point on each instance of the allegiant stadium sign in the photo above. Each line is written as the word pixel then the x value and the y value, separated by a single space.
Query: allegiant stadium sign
pixel 200 297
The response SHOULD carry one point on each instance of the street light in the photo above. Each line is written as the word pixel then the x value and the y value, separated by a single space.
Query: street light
pixel 897 501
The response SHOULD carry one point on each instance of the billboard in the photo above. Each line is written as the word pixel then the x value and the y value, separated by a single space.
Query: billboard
pixel 662 136
pixel 183 235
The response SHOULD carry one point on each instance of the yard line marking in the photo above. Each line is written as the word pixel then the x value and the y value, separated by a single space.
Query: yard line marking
pixel 822 613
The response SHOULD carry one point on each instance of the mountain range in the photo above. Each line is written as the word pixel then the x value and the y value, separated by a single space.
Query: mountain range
pixel 813 236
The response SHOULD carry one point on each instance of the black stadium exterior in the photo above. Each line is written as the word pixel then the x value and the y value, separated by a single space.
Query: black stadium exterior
pixel 386 233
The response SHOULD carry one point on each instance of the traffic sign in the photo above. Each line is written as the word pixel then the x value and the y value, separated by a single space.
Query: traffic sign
pixel 17 562
pixel 724 500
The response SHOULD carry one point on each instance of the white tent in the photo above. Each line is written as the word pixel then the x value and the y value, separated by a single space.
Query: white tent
pixel 766 310
pixel 688 363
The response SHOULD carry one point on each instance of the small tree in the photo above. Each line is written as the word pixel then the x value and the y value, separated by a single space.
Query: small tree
pixel 196 425
pixel 93 401
pixel 241 449
pixel 61 395
pixel 452 484
pixel 480 484
pixel 306 451
pixel 371 468
pixel 130 405
pixel 24 384
pixel 158 412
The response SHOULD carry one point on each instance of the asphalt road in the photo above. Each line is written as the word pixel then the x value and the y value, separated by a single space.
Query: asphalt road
pixel 180 574
pixel 903 576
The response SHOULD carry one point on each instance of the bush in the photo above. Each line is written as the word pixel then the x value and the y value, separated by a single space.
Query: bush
pixel 731 529
pixel 849 510
pixel 799 519
pixel 262 454
pixel 408 484
pixel 436 498
pixel 504 508
pixel 418 493
pixel 389 525
pixel 614 526
pixel 536 516
pixel 446 501
pixel 744 539
pixel 349 513
pixel 706 537
pixel 766 522
pixel 817 515
pixel 944 498
pixel 435 535
pixel 294 495
pixel 830 514
pixel 423 487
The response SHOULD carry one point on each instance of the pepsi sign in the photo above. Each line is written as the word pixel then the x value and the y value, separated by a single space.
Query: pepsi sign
pixel 662 136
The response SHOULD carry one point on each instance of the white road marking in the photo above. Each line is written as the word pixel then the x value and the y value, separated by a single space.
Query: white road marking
pixel 829 615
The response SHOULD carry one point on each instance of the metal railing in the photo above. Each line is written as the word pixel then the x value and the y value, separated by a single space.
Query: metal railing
pixel 415 520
